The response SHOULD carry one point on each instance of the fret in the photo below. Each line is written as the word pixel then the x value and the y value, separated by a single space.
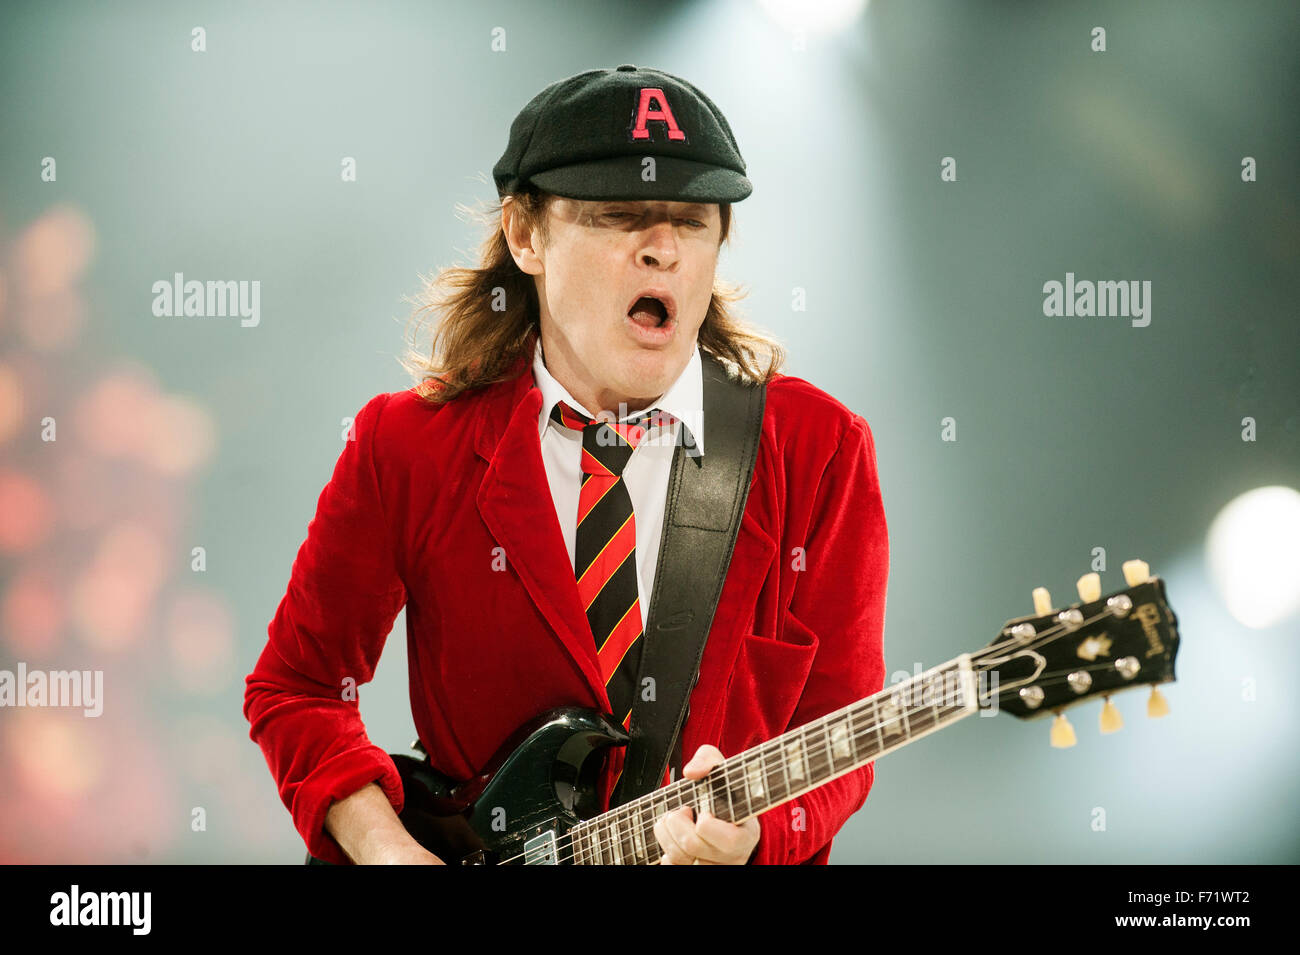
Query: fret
pixel 658 807
pixel 611 840
pixel 953 680
pixel 805 749
pixel 841 752
pixel 851 722
pixel 754 777
pixel 627 847
pixel 912 702
pixel 773 776
pixel 935 699
pixel 809 756
pixel 639 830
pixel 880 733
pixel 860 725
pixel 794 760
pixel 736 791
pixel 830 753
pixel 785 771
pixel 893 716
pixel 717 791
pixel 575 845
pixel 826 742
pixel 832 742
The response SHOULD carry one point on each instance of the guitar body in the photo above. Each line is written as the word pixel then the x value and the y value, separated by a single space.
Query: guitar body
pixel 541 782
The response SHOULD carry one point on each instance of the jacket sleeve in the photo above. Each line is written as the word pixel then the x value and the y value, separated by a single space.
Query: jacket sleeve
pixel 840 597
pixel 344 593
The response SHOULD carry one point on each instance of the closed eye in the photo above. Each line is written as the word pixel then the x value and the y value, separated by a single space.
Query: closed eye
pixel 694 223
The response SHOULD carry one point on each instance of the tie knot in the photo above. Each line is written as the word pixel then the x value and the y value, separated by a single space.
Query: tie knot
pixel 607 443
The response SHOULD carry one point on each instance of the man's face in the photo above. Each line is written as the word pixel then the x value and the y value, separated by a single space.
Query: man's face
pixel 599 259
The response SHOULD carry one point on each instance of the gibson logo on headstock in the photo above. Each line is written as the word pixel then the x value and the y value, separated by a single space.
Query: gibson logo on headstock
pixel 1149 616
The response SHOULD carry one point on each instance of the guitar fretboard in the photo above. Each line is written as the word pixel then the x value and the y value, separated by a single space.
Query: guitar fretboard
pixel 785 767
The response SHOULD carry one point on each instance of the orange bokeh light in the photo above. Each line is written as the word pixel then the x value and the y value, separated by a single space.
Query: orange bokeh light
pixel 25 512
pixel 32 614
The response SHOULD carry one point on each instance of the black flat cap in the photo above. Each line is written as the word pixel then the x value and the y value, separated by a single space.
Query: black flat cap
pixel 625 133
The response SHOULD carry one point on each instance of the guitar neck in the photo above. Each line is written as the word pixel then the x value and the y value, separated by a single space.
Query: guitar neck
pixel 787 766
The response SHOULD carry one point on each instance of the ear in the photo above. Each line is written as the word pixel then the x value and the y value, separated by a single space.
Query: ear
pixel 519 239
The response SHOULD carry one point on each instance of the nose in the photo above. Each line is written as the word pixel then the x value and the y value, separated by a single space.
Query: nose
pixel 659 241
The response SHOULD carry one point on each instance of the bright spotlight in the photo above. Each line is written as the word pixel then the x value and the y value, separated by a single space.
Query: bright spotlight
pixel 1253 551
pixel 813 16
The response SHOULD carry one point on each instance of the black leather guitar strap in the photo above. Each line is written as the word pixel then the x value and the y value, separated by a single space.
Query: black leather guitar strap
pixel 706 499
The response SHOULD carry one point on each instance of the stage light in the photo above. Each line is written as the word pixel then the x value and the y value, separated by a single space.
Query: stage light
pixel 813 16
pixel 1253 553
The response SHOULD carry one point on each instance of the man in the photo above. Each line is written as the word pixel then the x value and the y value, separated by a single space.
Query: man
pixel 474 501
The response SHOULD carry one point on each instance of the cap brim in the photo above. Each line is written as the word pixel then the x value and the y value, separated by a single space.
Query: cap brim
pixel 676 180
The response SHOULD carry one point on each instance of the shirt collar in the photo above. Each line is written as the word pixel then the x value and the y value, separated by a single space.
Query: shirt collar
pixel 684 399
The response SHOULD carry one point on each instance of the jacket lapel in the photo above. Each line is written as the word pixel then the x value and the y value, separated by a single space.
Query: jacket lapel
pixel 515 503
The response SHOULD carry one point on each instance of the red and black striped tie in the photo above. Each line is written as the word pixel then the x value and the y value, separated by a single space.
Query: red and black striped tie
pixel 605 550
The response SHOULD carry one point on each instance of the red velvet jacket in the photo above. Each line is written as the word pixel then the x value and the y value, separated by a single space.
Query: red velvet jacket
pixel 422 504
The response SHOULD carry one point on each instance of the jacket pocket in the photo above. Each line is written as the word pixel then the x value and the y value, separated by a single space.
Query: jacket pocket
pixel 766 683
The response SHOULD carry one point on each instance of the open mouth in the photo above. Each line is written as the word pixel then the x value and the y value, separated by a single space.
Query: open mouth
pixel 649 312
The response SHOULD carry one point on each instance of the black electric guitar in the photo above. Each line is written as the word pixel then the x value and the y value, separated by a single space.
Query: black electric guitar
pixel 536 803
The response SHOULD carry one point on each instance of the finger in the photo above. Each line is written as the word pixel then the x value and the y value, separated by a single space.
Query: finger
pixel 725 841
pixel 686 835
pixel 705 758
pixel 669 830
pixel 680 826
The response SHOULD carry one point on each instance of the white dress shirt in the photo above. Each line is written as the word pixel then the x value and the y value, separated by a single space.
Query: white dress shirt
pixel 647 471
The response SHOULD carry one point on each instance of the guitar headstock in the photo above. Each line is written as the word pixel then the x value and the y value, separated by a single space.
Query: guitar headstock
pixel 1059 657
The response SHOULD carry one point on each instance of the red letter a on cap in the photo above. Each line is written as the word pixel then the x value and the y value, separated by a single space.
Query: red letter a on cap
pixel 644 114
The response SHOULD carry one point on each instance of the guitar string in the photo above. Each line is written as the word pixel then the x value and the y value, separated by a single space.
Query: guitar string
pixel 637 807
pixel 600 841
pixel 815 762
pixel 1056 677
pixel 921 719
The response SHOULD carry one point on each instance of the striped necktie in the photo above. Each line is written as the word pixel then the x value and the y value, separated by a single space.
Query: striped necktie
pixel 605 550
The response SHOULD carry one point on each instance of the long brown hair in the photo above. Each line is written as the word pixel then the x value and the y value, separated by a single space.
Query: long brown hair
pixel 484 317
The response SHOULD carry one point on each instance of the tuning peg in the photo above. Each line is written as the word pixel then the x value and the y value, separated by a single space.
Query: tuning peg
pixel 1042 601
pixel 1111 721
pixel 1062 732
pixel 1136 572
pixel 1157 705
pixel 1089 587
